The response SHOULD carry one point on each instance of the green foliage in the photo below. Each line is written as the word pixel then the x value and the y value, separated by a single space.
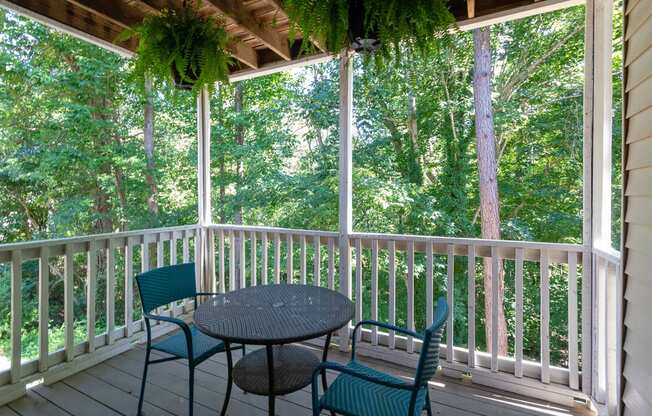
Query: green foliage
pixel 182 41
pixel 402 27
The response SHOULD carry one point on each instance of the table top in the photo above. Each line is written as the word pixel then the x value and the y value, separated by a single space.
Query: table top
pixel 273 314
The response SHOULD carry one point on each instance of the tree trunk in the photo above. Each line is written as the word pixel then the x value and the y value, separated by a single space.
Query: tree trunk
pixel 148 141
pixel 239 138
pixel 487 172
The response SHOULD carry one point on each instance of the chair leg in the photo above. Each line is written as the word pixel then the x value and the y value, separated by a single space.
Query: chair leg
pixel 142 384
pixel 229 383
pixel 191 389
pixel 428 408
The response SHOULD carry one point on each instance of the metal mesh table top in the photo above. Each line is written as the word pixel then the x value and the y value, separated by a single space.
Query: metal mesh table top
pixel 273 314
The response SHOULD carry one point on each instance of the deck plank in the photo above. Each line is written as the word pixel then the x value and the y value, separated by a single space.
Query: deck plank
pixel 112 388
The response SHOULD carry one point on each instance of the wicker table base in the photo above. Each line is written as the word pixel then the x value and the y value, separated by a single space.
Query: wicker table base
pixel 293 368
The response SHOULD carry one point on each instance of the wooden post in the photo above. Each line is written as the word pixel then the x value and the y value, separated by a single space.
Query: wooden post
pixel 346 181
pixel 203 268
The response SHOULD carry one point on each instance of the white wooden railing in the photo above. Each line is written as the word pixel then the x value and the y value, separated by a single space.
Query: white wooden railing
pixel 101 256
pixel 394 278
pixel 303 256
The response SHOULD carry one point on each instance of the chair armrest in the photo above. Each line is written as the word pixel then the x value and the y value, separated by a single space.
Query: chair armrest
pixel 329 365
pixel 184 326
pixel 381 325
pixel 208 294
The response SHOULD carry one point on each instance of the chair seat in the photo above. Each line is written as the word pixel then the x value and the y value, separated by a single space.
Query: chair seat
pixel 353 396
pixel 202 345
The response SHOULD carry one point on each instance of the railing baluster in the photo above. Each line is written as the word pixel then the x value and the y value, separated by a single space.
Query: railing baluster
pixel 302 263
pixel 573 379
pixel 160 261
pixel 358 280
pixel 242 280
pixel 471 307
pixel 317 261
pixel 220 236
pixel 110 292
pixel 68 310
pixel 374 290
pixel 263 265
pixel 494 308
pixel 253 258
pixel 173 249
pixel 129 287
pixel 429 285
pixel 587 295
pixel 16 314
pixel 450 281
pixel 331 263
pixel 91 293
pixel 277 258
pixel 43 308
pixel 518 341
pixel 232 261
pixel 290 259
pixel 410 294
pixel 545 318
pixel 391 247
pixel 185 252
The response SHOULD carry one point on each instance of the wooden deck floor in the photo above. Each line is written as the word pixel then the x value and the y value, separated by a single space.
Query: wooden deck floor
pixel 111 389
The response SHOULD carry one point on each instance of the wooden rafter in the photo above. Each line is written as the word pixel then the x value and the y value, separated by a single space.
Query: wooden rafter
pixel 278 5
pixel 269 37
pixel 470 8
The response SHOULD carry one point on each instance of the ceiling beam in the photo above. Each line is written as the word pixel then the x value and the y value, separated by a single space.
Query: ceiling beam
pixel 113 11
pixel 234 10
pixel 240 51
pixel 74 20
pixel 470 8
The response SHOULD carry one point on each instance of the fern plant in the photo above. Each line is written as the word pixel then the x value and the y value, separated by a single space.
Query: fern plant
pixel 182 45
pixel 412 26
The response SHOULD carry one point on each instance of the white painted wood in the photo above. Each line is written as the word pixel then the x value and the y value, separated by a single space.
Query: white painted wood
pixel 232 277
pixel 264 253
pixel 160 252
pixel 518 338
pixel 345 180
pixel 545 318
pixel 277 258
pixel 129 288
pixel 471 307
pixel 331 263
pixel 254 266
pixel 222 276
pixel 302 263
pixel 587 338
pixel 204 157
pixel 494 309
pixel 358 280
pixel 572 323
pixel 91 293
pixel 68 299
pixel 43 308
pixel 110 294
pixel 429 286
pixel 173 250
pixel 16 314
pixel 450 291
pixel 316 274
pixel 290 259
pixel 391 247
pixel 374 290
pixel 210 280
pixel 242 280
pixel 410 295
pixel 185 250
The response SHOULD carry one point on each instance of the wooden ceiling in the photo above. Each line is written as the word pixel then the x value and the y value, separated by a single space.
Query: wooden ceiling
pixel 259 27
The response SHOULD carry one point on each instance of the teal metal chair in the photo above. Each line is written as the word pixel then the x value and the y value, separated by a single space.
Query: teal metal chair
pixel 160 287
pixel 362 391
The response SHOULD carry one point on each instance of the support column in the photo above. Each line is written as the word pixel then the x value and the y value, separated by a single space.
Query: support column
pixel 346 182
pixel 204 243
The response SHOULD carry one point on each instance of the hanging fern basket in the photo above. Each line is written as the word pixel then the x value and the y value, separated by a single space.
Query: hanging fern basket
pixel 363 37
pixel 186 83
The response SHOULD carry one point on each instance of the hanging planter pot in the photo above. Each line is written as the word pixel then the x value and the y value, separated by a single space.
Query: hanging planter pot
pixel 182 46
pixel 362 37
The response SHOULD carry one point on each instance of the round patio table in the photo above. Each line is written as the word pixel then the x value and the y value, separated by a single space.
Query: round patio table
pixel 274 316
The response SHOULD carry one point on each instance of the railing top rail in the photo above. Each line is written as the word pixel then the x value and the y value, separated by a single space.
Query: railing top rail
pixel 272 230
pixel 608 253
pixel 93 237
pixel 471 241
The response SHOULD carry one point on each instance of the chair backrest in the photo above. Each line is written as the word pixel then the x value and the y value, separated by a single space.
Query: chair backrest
pixel 429 357
pixel 166 284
